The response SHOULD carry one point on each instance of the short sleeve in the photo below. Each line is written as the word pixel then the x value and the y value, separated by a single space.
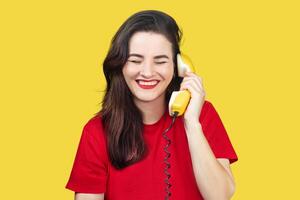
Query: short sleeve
pixel 89 172
pixel 216 133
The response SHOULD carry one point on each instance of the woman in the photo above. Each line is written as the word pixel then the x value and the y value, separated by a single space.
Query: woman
pixel 122 151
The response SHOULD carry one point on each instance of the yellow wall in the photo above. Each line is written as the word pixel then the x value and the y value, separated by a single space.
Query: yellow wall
pixel 247 53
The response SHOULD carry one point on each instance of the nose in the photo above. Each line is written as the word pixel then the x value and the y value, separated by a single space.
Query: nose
pixel 146 69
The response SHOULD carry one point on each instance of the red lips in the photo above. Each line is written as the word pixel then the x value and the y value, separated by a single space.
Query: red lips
pixel 147 86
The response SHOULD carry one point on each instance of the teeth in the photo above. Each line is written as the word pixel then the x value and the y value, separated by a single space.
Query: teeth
pixel 147 83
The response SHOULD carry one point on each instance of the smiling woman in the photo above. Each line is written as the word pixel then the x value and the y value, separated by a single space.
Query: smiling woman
pixel 121 154
pixel 150 68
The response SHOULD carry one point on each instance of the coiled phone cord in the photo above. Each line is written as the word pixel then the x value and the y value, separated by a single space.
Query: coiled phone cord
pixel 168 175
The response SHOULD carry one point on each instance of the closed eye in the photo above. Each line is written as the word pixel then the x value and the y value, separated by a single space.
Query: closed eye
pixel 135 61
pixel 159 63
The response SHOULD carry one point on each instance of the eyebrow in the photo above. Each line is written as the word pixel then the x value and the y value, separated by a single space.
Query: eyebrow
pixel 155 57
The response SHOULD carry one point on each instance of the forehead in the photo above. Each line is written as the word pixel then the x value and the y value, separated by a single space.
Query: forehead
pixel 149 43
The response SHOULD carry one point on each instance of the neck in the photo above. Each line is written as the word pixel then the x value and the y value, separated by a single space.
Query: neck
pixel 152 111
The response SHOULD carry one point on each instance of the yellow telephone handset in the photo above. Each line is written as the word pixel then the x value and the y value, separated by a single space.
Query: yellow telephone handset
pixel 180 99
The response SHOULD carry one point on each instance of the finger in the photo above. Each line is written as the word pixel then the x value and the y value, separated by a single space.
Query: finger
pixel 197 78
pixel 192 74
pixel 193 84
pixel 198 84
pixel 192 88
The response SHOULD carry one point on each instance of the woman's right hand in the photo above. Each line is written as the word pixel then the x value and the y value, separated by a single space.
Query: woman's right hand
pixel 84 196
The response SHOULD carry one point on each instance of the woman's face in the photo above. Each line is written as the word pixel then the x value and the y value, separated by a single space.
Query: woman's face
pixel 149 68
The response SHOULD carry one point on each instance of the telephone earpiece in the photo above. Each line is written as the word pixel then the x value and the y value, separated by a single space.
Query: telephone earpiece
pixel 179 99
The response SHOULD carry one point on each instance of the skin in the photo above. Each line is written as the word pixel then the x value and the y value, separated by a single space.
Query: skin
pixel 82 196
pixel 213 175
pixel 151 59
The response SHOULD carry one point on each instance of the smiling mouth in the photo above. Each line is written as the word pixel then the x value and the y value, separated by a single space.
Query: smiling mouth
pixel 147 84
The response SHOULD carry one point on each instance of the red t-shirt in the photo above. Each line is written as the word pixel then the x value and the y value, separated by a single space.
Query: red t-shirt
pixel 93 173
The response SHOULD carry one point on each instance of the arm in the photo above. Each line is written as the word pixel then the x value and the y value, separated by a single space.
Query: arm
pixel 212 175
pixel 84 196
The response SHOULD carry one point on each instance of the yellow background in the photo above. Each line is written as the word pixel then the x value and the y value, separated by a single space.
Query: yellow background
pixel 247 53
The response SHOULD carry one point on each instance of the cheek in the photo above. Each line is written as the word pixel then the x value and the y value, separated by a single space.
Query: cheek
pixel 168 72
pixel 128 72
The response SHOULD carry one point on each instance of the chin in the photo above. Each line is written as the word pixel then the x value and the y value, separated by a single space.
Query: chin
pixel 147 98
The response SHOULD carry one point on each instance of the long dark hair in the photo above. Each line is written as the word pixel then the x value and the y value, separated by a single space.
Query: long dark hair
pixel 122 119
